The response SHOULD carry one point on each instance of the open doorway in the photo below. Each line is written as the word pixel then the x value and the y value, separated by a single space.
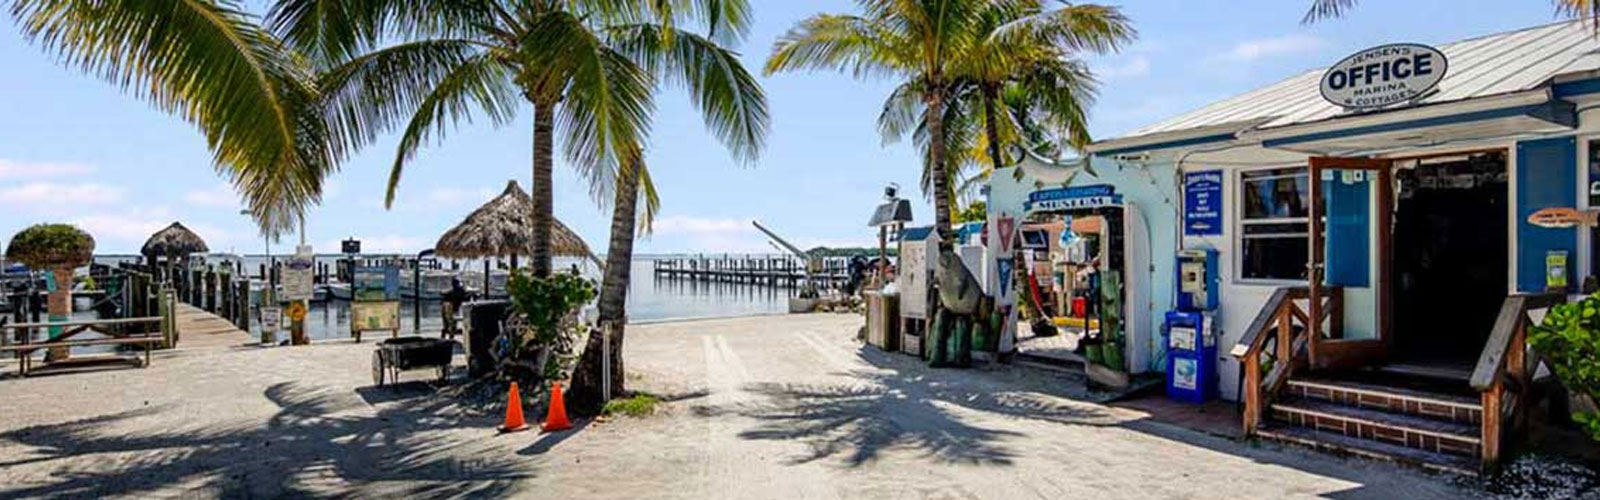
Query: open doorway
pixel 1450 256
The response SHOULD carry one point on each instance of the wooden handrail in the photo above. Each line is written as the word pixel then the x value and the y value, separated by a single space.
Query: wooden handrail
pixel 1255 337
pixel 84 322
pixel 1513 313
pixel 1502 375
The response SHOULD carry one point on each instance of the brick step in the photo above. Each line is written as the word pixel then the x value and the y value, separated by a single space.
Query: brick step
pixel 1401 429
pixel 1378 450
pixel 1393 399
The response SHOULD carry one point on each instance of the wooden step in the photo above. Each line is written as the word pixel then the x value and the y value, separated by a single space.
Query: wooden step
pixel 1340 443
pixel 1438 405
pixel 1424 433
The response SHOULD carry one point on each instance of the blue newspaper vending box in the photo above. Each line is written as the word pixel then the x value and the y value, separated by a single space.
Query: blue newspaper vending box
pixel 1191 357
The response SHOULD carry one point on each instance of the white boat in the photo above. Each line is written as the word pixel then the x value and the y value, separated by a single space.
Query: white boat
pixel 338 290
pixel 472 280
pixel 435 282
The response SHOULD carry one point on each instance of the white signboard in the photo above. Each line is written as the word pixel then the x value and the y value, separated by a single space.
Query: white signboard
pixel 297 273
pixel 271 319
pixel 1384 75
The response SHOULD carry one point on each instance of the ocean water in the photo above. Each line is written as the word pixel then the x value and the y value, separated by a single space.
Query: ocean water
pixel 650 299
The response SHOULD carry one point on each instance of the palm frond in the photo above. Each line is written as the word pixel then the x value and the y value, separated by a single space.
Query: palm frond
pixel 1327 9
pixel 850 44
pixel 209 63
pixel 477 84
pixel 376 92
pixel 729 98
pixel 605 113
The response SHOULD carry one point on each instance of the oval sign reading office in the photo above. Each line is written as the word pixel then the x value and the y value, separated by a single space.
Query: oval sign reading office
pixel 1384 75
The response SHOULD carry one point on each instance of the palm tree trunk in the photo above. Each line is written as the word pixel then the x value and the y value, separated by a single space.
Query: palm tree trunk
pixel 543 194
pixel 940 165
pixel 991 125
pixel 586 396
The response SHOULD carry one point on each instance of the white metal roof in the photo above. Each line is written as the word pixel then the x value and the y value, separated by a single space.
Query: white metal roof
pixel 1479 67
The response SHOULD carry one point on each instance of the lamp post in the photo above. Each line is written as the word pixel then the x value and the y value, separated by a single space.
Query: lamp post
pixel 416 289
pixel 268 294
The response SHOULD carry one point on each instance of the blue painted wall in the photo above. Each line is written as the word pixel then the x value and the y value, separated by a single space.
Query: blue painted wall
pixel 1547 176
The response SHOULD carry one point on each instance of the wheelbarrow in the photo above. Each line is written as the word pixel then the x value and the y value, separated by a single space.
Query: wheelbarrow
pixel 411 353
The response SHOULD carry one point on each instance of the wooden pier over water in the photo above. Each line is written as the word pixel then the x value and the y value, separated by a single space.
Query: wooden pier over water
pixel 761 270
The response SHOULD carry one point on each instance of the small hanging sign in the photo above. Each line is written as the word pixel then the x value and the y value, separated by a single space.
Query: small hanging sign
pixel 1563 217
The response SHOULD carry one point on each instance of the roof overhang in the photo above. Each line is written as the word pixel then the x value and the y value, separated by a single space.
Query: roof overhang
pixel 1172 140
pixel 1534 111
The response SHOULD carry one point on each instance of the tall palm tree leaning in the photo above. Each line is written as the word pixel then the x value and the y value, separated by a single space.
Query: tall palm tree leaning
pixel 212 64
pixel 589 67
pixel 426 66
pixel 734 108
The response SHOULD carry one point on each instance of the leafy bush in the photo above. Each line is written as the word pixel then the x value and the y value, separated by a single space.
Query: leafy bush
pixel 548 307
pixel 1569 338
pixel 49 246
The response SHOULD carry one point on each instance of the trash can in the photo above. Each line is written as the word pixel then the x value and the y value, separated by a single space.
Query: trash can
pixel 484 318
pixel 1191 357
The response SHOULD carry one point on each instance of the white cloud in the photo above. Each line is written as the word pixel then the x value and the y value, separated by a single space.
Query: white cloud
pixel 18 169
pixel 1135 67
pixel 1251 50
pixel 219 196
pixel 48 195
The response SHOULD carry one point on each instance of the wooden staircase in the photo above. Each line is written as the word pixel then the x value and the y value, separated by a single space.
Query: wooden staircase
pixel 1431 429
pixel 1456 423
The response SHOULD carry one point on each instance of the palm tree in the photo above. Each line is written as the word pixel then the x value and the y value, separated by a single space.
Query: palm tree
pixel 917 42
pixel 1026 60
pixel 734 108
pixel 445 62
pixel 209 62
pixel 1328 9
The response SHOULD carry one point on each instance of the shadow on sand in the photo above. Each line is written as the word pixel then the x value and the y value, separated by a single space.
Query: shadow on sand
pixel 314 437
pixel 901 403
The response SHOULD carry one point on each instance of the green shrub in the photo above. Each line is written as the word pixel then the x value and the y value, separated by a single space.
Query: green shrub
pixel 1569 339
pixel 547 306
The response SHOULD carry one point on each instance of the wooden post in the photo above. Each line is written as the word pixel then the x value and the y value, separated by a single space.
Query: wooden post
pixel 1252 393
pixel 1490 439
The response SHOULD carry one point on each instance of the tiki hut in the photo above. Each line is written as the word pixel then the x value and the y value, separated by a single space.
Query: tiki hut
pixel 174 242
pixel 499 228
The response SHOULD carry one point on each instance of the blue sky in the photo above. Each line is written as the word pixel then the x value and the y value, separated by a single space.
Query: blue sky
pixel 76 149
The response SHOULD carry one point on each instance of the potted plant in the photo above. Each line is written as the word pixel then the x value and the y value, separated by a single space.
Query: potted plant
pixel 547 327
pixel 56 249
pixel 1569 340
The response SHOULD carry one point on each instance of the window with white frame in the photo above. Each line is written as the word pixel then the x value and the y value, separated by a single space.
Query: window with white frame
pixel 1274 224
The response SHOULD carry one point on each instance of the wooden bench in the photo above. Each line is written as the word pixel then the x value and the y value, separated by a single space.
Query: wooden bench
pixel 149 340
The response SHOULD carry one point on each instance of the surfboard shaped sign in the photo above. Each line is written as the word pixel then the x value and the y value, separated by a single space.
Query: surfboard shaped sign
pixel 1563 217
pixel 1384 75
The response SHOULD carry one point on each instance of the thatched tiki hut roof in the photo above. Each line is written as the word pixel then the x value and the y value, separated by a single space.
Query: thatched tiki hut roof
pixel 499 228
pixel 174 241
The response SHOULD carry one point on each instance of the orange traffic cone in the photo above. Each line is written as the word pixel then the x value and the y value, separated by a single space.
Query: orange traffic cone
pixel 514 421
pixel 556 419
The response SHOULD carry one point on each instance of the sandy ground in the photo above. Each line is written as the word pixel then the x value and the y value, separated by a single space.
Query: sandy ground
pixel 765 407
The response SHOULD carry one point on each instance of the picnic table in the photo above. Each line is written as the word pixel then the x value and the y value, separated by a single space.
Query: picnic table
pixel 19 337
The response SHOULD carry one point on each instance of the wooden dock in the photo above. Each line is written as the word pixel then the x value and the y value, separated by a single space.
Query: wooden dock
pixel 761 270
pixel 198 328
